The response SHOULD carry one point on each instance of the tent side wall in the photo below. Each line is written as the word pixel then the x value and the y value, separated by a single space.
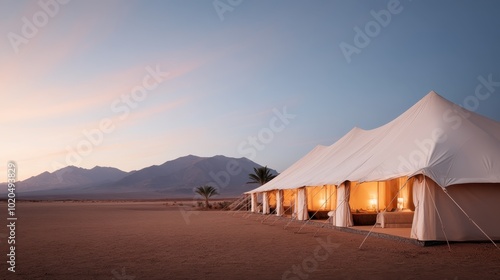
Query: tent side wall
pixel 435 212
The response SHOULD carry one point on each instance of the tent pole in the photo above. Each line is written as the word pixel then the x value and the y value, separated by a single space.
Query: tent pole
pixel 239 207
pixel 280 217
pixel 243 206
pixel 268 216
pixel 241 200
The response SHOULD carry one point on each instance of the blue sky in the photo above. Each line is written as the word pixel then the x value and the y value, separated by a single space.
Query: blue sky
pixel 221 76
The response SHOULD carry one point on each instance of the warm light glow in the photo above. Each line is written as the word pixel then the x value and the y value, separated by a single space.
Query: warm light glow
pixel 322 203
pixel 400 203
pixel 373 203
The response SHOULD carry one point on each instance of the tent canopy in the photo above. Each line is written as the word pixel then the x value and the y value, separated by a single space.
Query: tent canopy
pixel 435 137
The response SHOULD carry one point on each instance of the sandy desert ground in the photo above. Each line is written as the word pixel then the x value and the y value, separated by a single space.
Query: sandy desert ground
pixel 149 240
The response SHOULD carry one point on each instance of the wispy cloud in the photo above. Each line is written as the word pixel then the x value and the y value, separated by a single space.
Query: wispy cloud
pixel 148 113
pixel 57 102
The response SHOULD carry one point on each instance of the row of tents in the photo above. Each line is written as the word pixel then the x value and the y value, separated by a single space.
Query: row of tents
pixel 437 160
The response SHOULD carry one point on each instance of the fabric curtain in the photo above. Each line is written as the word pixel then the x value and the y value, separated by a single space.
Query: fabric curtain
pixel 254 206
pixel 302 205
pixel 343 217
pixel 265 203
pixel 424 218
pixel 279 203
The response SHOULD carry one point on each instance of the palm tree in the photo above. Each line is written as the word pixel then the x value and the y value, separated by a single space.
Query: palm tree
pixel 206 191
pixel 260 176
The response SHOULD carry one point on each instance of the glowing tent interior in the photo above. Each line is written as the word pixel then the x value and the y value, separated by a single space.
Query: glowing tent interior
pixel 437 162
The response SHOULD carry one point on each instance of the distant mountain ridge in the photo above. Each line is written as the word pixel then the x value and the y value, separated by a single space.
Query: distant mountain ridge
pixel 71 177
pixel 174 178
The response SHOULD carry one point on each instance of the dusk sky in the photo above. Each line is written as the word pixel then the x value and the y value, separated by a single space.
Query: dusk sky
pixel 130 84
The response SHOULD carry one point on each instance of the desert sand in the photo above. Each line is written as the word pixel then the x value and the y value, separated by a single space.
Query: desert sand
pixel 150 240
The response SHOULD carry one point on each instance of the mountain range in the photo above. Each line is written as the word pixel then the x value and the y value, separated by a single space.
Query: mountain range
pixel 172 179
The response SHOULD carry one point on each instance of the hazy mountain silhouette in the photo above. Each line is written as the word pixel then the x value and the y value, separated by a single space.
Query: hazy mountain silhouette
pixel 180 176
pixel 175 178
pixel 71 177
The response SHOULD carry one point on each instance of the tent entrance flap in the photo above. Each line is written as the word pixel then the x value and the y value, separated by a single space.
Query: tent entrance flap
pixel 254 205
pixel 343 217
pixel 301 210
pixel 280 209
pixel 265 203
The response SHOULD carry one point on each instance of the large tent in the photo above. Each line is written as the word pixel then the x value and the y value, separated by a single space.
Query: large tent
pixel 438 158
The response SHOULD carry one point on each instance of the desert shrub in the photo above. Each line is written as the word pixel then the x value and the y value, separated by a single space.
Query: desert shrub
pixel 223 205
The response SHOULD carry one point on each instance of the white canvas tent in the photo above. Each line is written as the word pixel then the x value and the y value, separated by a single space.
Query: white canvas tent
pixel 453 156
